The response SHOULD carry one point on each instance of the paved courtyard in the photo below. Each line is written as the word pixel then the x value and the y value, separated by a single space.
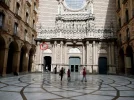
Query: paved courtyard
pixel 47 86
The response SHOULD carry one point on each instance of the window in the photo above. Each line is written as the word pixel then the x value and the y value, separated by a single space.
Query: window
pixel 25 35
pixel 119 22
pixel 17 8
pixel 32 38
pixel 27 17
pixel 75 4
pixel 33 24
pixel 128 34
pixel 118 4
pixel 127 16
pixel 15 28
pixel 1 20
pixel 34 5
pixel 120 40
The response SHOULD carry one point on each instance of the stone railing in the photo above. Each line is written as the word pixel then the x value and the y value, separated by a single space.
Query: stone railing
pixel 83 16
pixel 76 34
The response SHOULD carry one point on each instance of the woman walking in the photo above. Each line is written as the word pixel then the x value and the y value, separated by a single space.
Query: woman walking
pixel 84 75
pixel 68 75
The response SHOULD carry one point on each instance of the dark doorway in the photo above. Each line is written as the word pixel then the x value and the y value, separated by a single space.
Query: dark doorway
pixel 47 63
pixel 74 63
pixel 2 47
pixel 129 54
pixel 102 65
pixel 21 59
pixel 121 62
pixel 31 53
pixel 11 51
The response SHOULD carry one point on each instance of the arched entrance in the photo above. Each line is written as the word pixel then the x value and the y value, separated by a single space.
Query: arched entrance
pixel 13 47
pixel 2 53
pixel 129 60
pixel 102 65
pixel 23 53
pixel 31 53
pixel 121 62
pixel 47 63
pixel 74 64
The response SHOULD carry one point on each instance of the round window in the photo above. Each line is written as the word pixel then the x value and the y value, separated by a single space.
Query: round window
pixel 75 4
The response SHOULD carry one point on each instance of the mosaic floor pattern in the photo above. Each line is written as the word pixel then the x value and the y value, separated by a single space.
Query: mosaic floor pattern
pixel 48 86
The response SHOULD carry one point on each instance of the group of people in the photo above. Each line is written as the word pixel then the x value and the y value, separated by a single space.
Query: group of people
pixel 62 71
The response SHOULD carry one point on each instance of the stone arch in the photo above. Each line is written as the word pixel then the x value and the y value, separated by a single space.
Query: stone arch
pixel 129 60
pixel 121 61
pixel 47 51
pixel 102 51
pixel 2 53
pixel 74 50
pixel 13 48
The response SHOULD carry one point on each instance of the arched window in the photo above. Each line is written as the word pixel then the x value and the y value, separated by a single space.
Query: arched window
pixel 119 22
pixel 15 28
pixel 34 24
pixel 120 40
pixel 128 34
pixel 25 35
pixel 27 17
pixel 118 4
pixel 127 16
pixel 17 8
pixel 2 16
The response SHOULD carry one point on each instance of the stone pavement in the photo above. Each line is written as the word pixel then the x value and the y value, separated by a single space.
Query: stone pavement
pixel 47 86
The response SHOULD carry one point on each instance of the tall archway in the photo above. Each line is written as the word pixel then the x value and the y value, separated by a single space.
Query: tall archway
pixel 121 62
pixel 31 53
pixel 129 56
pixel 23 53
pixel 47 63
pixel 2 48
pixel 13 47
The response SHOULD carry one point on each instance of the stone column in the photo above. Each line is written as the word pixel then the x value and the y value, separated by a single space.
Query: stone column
pixel 61 46
pixel 55 46
pixel 94 58
pixel 109 57
pixel 83 54
pixel 65 53
pixel 53 52
pixel 3 61
pixel 87 56
pixel 16 61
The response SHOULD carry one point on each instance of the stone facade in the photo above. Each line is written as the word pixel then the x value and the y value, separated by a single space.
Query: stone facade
pixel 17 32
pixel 125 20
pixel 86 34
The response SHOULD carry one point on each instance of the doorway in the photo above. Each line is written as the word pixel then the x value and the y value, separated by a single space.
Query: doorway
pixel 74 63
pixel 47 63
pixel 102 65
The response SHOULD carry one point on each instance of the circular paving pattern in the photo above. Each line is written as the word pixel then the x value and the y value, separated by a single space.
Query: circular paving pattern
pixel 48 86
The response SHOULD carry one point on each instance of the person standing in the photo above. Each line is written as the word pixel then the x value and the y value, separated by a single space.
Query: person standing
pixel 55 70
pixel 61 73
pixel 84 75
pixel 68 75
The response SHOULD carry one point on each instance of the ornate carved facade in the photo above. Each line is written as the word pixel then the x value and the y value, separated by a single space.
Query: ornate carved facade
pixel 78 37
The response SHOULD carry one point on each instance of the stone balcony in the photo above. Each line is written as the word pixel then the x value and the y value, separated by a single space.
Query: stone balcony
pixel 72 17
pixel 76 34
